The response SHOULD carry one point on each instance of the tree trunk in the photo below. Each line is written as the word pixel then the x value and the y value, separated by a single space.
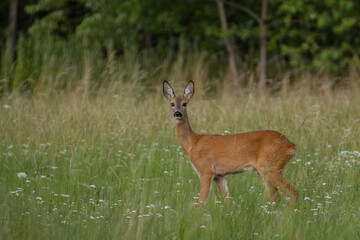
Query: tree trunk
pixel 10 41
pixel 230 48
pixel 262 65
pixel 263 43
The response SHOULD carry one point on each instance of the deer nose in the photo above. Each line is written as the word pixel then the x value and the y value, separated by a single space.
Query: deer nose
pixel 177 114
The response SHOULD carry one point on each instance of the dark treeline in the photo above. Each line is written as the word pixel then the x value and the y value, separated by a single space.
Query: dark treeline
pixel 269 37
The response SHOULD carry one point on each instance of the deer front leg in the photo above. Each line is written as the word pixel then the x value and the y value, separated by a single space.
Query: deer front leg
pixel 205 181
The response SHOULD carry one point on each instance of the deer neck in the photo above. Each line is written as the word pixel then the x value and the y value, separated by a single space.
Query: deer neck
pixel 185 134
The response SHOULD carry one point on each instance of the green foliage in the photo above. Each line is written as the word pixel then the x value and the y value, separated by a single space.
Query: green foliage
pixel 319 35
pixel 312 36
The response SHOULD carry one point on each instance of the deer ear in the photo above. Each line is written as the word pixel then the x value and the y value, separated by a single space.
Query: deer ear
pixel 168 91
pixel 189 90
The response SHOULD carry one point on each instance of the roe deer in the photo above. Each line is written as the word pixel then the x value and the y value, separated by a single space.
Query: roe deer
pixel 214 156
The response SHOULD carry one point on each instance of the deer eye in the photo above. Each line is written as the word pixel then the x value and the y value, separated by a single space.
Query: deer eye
pixel 184 104
pixel 172 104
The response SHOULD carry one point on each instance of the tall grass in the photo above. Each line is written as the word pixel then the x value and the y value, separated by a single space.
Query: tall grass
pixel 106 163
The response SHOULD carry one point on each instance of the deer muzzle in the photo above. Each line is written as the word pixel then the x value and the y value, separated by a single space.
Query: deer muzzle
pixel 178 114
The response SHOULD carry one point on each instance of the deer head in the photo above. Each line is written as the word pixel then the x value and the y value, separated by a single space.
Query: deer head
pixel 178 104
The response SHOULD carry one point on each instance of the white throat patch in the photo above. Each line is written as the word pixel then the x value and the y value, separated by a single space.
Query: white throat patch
pixel 195 169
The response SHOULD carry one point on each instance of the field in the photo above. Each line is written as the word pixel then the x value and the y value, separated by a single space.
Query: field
pixel 109 166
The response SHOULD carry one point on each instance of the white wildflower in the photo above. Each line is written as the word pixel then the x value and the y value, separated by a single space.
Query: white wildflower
pixel 21 175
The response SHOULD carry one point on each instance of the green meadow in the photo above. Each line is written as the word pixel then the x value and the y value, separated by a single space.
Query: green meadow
pixel 108 165
pixel 88 144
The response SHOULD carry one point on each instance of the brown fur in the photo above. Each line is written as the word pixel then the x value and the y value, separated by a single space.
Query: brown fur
pixel 214 156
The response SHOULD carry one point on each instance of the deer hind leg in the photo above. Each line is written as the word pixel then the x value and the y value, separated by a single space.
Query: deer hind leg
pixel 272 175
pixel 205 181
pixel 273 192
pixel 278 180
pixel 222 185
pixel 271 189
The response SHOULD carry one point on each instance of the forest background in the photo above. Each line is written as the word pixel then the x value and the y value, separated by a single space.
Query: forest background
pixel 261 42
